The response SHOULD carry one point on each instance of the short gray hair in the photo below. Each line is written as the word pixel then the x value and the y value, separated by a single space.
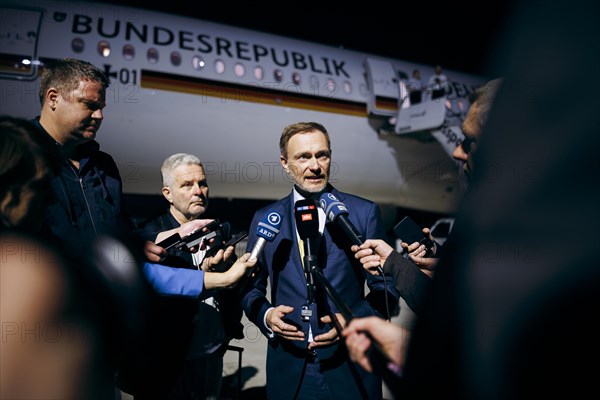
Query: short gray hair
pixel 175 161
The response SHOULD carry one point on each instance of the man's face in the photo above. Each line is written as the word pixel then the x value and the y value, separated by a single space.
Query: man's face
pixel 189 193
pixel 471 129
pixel 79 113
pixel 308 161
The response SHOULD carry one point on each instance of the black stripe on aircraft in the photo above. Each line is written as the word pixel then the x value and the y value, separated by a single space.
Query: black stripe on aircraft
pixel 249 93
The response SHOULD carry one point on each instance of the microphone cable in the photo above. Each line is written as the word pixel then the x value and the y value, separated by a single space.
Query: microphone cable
pixel 385 294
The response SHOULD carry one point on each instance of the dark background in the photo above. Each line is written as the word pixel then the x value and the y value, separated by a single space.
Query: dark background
pixel 457 36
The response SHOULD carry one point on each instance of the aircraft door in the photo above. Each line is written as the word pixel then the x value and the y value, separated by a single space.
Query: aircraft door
pixel 19 32
pixel 384 89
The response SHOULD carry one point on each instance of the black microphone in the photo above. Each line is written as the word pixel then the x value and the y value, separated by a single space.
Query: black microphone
pixel 337 213
pixel 266 231
pixel 307 218
pixel 307 224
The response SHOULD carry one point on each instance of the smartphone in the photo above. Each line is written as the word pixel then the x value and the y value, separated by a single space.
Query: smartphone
pixel 408 231
pixel 192 239
pixel 205 233
pixel 171 241
pixel 231 242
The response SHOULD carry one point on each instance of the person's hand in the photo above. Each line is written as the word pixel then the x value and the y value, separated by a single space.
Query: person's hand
pixel 184 230
pixel 418 253
pixel 280 327
pixel 426 264
pixel 215 262
pixel 192 226
pixel 154 253
pixel 329 337
pixel 372 254
pixel 240 268
pixel 230 277
pixel 392 339
pixel 417 249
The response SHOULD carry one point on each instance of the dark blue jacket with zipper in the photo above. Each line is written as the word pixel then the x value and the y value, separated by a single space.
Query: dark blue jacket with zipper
pixel 87 201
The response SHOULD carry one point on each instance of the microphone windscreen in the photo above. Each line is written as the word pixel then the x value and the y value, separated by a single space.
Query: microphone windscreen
pixel 268 227
pixel 332 206
pixel 307 218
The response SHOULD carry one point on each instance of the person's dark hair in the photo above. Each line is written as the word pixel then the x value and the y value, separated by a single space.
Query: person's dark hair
pixel 484 96
pixel 23 158
pixel 66 73
pixel 300 127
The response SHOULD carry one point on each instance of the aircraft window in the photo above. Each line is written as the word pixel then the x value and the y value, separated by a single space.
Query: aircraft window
pixel 239 69
pixel 330 85
pixel 104 49
pixel 128 52
pixel 362 89
pixel 176 58
pixel 78 45
pixel 278 75
pixel 314 83
pixel 347 87
pixel 197 63
pixel 258 73
pixel 152 55
pixel 296 78
pixel 219 66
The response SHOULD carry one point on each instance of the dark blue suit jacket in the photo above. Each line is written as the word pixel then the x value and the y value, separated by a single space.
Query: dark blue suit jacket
pixel 280 262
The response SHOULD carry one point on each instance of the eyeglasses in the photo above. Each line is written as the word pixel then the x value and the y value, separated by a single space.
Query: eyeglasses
pixel 467 144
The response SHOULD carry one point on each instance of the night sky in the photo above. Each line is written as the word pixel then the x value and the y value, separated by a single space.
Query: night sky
pixel 457 37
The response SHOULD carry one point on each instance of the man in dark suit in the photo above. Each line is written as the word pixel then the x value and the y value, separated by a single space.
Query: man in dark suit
pixel 193 333
pixel 305 358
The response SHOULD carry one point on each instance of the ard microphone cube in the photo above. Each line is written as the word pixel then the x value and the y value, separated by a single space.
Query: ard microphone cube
pixel 266 231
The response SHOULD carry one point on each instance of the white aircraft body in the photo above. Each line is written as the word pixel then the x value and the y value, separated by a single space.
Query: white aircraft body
pixel 181 84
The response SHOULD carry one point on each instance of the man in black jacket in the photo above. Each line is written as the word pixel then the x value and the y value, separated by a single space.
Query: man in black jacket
pixel 197 332
pixel 87 190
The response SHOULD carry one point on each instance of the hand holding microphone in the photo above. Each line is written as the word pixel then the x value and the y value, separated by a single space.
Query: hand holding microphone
pixel 337 213
pixel 372 254
pixel 266 231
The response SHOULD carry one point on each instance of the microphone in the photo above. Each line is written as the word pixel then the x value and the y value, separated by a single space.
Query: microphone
pixel 337 213
pixel 307 218
pixel 266 231
pixel 307 224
